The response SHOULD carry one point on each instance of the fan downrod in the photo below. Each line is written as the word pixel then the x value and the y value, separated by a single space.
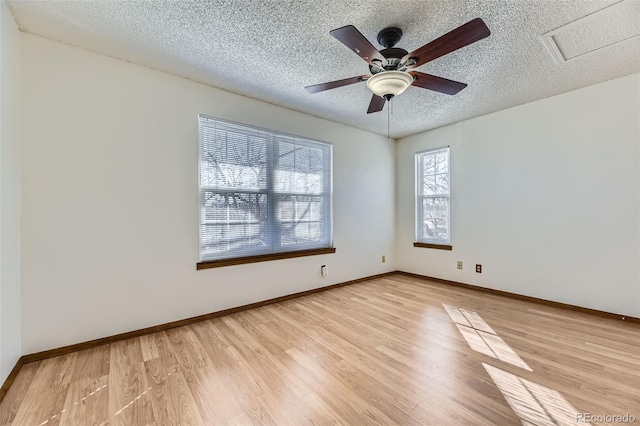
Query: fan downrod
pixel 389 37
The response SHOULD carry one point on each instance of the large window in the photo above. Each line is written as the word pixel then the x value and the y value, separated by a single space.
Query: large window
pixel 261 192
pixel 432 196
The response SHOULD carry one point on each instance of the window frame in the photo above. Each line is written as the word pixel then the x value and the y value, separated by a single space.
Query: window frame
pixel 275 249
pixel 435 243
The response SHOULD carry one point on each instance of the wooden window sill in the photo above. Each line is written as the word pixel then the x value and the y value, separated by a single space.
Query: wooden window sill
pixel 433 246
pixel 262 258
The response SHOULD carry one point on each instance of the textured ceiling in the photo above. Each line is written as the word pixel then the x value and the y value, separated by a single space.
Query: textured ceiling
pixel 270 50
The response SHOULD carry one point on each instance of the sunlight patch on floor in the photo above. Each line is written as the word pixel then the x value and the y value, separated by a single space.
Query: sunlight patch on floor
pixel 533 403
pixel 482 338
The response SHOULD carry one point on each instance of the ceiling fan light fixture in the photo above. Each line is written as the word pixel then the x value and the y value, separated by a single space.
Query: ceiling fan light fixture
pixel 389 83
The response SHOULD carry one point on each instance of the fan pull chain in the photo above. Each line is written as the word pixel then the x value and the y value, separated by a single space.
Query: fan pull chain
pixel 388 118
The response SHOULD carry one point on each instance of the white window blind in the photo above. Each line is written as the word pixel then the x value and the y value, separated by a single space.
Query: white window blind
pixel 261 191
pixel 432 196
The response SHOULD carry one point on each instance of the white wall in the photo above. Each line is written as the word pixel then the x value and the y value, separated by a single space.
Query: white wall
pixel 110 199
pixel 10 349
pixel 544 195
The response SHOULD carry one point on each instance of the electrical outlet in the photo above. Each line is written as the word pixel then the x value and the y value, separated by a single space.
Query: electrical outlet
pixel 384 258
pixel 323 270
pixel 459 264
pixel 478 268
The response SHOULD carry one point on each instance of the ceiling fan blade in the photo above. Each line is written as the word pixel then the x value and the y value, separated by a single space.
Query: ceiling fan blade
pixel 439 84
pixel 333 84
pixel 377 103
pixel 464 35
pixel 354 40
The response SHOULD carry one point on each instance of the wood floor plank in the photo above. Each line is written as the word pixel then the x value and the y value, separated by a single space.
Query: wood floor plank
pixel 171 398
pixel 213 395
pixel 14 397
pixel 252 352
pixel 148 347
pixel 44 401
pixel 129 401
pixel 87 402
pixel 393 350
pixel 41 406
pixel 92 363
pixel 54 373
pixel 353 403
pixel 286 408
pixel 188 350
pixel 239 375
pixel 158 346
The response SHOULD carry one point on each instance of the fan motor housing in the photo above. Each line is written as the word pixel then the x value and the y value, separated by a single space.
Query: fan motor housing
pixel 393 55
pixel 388 38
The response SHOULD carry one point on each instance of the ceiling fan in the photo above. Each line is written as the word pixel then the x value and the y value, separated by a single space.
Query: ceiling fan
pixel 392 68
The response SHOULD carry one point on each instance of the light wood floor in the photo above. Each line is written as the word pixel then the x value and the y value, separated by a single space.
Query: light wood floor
pixel 385 351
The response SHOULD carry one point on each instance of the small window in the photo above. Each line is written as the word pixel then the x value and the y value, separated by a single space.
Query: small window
pixel 433 225
pixel 261 192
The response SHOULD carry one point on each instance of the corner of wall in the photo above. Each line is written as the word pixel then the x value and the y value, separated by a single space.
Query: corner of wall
pixel 638 108
pixel 10 192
